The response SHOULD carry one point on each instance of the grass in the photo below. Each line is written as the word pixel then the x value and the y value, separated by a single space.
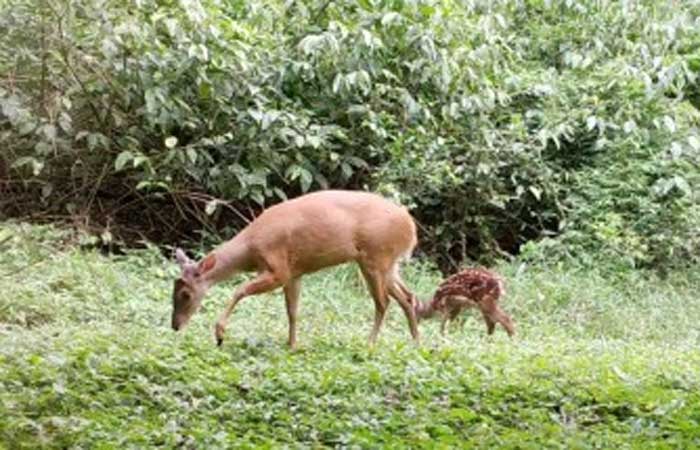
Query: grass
pixel 87 360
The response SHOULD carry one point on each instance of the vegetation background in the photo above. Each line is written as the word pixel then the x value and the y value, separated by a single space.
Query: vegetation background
pixel 556 140
pixel 570 125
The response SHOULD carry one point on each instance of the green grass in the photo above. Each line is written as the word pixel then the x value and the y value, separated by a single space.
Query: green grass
pixel 87 360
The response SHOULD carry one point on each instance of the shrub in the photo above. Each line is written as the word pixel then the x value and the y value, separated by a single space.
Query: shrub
pixel 498 122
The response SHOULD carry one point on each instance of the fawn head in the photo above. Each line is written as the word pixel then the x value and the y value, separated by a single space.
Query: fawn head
pixel 190 288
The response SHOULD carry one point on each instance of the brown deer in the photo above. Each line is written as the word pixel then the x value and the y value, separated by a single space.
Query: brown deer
pixel 470 288
pixel 300 236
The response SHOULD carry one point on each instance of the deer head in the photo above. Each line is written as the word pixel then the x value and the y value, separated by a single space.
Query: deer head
pixel 424 309
pixel 190 288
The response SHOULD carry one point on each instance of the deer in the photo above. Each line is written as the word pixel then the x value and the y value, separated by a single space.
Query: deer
pixel 469 288
pixel 300 236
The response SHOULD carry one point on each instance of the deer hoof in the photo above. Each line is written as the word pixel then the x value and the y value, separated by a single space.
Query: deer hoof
pixel 219 331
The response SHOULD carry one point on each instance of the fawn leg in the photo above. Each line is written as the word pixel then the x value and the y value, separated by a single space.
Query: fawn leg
pixel 443 325
pixel 490 324
pixel 456 318
pixel 505 320
pixel 496 314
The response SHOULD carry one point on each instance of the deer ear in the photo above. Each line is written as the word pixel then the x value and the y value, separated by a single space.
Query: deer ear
pixel 207 263
pixel 181 258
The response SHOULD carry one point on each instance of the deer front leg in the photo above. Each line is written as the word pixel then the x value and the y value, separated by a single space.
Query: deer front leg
pixel 494 314
pixel 291 297
pixel 456 318
pixel 264 282
pixel 505 320
pixel 490 324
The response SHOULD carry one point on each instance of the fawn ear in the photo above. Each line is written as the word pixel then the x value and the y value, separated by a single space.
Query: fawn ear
pixel 207 263
pixel 181 258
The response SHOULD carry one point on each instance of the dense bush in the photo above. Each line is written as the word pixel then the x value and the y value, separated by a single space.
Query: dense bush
pixel 498 122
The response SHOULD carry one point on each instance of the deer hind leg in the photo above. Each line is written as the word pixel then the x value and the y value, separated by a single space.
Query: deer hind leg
pixel 291 297
pixel 443 324
pixel 399 292
pixel 402 286
pixel 377 288
pixel 264 282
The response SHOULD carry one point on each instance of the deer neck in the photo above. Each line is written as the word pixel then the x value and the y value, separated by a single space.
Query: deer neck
pixel 232 257
pixel 425 309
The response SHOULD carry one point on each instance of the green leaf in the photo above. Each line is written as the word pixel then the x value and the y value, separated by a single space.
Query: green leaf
pixel 280 193
pixel 591 122
pixel 205 91
pixel 313 141
pixel 46 190
pixel 391 18
pixel 65 122
pixel 191 155
pixel 93 140
pixel 36 165
pixel 81 135
pixel 292 172
pixel 347 170
pixel 537 193
pixel 43 148
pixel 199 52
pixel 338 83
pixel 676 150
pixel 358 162
pixel 682 185
pixel 123 158
pixel 306 178
pixel 258 197
pixel 140 160
pixel 670 124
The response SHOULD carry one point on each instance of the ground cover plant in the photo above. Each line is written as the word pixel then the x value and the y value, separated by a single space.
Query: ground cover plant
pixel 87 360
pixel 498 121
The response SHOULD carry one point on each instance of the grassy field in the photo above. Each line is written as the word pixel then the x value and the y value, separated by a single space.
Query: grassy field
pixel 87 359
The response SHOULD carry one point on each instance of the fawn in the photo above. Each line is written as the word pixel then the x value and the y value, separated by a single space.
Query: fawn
pixel 301 236
pixel 469 288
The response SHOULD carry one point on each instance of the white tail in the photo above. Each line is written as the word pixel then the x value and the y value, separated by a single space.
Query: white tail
pixel 300 236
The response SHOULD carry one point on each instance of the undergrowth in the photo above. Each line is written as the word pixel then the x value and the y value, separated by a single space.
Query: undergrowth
pixel 87 359
pixel 497 122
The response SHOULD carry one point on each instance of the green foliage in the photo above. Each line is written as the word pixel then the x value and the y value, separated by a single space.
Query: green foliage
pixel 497 121
pixel 87 359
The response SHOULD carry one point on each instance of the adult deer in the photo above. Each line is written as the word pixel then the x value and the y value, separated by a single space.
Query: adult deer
pixel 300 236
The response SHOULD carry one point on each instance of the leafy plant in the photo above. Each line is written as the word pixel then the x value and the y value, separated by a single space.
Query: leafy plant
pixel 87 359
pixel 498 122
